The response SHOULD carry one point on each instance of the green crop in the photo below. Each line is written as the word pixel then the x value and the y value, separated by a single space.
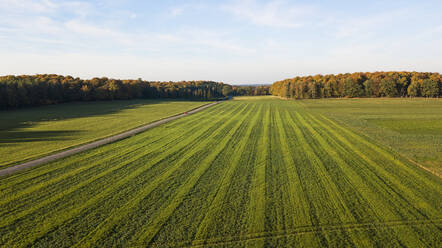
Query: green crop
pixel 258 172
pixel 410 126
pixel 27 134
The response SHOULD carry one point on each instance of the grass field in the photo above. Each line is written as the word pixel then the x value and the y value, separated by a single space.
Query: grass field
pixel 412 127
pixel 247 173
pixel 31 133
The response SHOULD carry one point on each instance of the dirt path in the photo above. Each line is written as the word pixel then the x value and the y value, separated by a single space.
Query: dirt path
pixel 98 143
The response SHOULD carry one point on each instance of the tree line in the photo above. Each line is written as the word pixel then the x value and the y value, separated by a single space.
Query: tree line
pixel 35 90
pixel 361 84
pixel 249 90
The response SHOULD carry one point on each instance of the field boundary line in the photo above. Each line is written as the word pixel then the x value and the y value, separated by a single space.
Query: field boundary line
pixel 421 166
pixel 300 230
pixel 100 142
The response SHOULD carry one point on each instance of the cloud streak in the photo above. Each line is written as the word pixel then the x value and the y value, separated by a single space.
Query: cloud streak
pixel 38 24
pixel 240 41
pixel 275 14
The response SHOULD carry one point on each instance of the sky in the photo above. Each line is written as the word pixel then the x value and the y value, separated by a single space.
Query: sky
pixel 232 41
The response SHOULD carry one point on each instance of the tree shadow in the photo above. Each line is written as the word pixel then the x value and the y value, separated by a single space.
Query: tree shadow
pixel 34 136
pixel 12 122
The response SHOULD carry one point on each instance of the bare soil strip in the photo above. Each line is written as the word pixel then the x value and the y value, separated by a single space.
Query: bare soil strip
pixel 104 141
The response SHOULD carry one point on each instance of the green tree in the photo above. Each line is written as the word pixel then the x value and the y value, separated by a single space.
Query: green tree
pixel 227 90
pixel 387 87
pixel 285 91
pixel 328 90
pixel 351 88
pixel 414 89
pixel 313 90
pixel 369 87
pixel 430 88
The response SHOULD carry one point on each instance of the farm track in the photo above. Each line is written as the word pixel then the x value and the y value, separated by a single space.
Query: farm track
pixel 91 202
pixel 120 149
pixel 249 173
pixel 101 142
pixel 96 155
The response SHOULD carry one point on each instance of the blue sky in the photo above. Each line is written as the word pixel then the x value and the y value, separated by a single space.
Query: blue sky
pixel 249 41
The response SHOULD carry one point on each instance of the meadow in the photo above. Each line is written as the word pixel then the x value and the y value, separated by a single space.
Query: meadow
pixel 410 126
pixel 254 172
pixel 34 132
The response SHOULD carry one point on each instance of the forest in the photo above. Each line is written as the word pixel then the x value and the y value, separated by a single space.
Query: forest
pixel 35 90
pixel 360 84
pixel 250 90
pixel 43 89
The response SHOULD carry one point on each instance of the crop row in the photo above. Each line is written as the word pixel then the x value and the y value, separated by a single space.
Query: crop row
pixel 243 173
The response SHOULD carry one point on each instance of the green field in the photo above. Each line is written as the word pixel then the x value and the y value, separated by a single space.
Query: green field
pixel 33 132
pixel 412 127
pixel 250 173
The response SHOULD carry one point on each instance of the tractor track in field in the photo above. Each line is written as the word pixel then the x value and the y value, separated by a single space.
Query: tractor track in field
pixel 302 230
pixel 390 149
pixel 100 142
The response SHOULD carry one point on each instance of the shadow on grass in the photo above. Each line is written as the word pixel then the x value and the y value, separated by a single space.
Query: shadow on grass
pixel 12 122
pixel 33 136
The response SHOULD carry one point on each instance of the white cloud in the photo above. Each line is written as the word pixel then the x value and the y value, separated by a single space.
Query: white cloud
pixel 40 6
pixel 45 7
pixel 79 38
pixel 213 39
pixel 176 11
pixel 365 26
pixel 81 27
pixel 80 9
pixel 276 14
pixel 35 30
